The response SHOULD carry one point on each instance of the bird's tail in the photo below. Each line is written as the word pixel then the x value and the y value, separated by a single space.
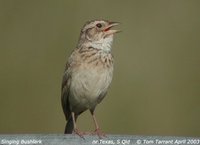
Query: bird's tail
pixel 69 126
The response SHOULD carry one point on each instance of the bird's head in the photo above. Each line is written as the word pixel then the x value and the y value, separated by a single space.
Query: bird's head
pixel 98 33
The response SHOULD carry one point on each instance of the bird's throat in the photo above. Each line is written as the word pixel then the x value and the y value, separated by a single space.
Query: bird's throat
pixel 103 44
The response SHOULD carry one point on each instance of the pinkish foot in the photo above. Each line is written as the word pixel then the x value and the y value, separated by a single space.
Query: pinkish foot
pixel 79 133
pixel 99 133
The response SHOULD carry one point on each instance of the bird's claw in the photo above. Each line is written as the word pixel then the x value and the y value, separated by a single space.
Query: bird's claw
pixel 99 133
pixel 79 133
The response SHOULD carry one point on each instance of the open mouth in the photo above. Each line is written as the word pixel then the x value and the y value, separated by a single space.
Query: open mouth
pixel 111 24
pixel 109 30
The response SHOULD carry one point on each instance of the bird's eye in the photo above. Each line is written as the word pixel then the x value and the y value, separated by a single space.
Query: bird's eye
pixel 99 25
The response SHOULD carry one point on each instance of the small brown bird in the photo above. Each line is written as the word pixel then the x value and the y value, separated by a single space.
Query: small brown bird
pixel 88 73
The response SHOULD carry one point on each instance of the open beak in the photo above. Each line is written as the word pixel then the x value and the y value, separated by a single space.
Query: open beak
pixel 110 31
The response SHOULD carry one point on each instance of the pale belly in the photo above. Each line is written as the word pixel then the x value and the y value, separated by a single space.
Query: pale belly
pixel 87 85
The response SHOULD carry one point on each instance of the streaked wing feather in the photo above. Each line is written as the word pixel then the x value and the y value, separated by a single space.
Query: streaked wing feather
pixel 65 93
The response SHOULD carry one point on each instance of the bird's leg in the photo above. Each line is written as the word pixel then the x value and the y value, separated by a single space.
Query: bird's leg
pixel 97 129
pixel 76 131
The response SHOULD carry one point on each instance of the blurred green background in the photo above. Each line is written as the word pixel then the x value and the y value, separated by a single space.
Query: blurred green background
pixel 156 85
